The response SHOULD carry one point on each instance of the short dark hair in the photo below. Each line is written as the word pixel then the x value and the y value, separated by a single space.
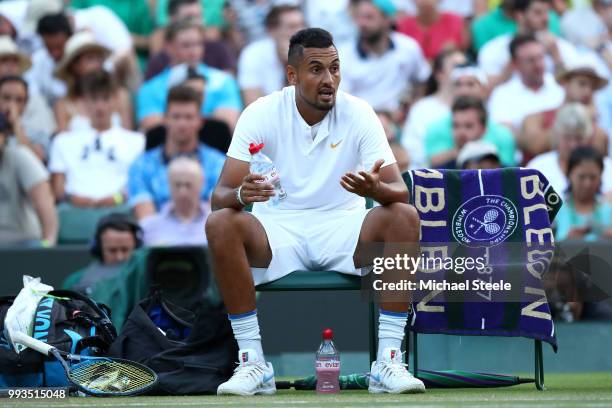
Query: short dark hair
pixel 308 38
pixel 54 24
pixel 97 83
pixel 274 15
pixel 467 102
pixel 178 26
pixel 117 222
pixel 14 78
pixel 523 5
pixel 518 41
pixel 582 154
pixel 183 94
pixel 174 5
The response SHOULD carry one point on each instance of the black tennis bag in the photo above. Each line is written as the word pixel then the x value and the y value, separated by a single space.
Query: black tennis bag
pixel 191 352
pixel 64 319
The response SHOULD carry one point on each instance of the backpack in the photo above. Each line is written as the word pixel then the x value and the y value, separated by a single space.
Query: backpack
pixel 179 345
pixel 64 319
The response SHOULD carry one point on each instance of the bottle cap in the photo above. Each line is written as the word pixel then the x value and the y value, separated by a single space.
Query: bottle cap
pixel 328 334
pixel 254 148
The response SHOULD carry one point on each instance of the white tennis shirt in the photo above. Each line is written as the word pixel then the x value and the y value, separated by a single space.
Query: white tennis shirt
pixel 350 138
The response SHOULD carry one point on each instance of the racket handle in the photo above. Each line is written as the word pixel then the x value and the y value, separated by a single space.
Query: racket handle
pixel 31 342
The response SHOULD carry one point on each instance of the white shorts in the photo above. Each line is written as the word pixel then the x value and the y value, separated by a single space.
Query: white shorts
pixel 310 240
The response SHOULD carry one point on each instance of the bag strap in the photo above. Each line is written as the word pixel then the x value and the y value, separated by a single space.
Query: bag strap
pixel 96 342
pixel 102 321
pixel 157 298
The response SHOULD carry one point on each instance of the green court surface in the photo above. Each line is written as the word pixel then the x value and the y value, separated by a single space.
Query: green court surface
pixel 563 390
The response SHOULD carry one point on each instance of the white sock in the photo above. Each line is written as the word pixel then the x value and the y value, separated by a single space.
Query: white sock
pixel 391 327
pixel 246 332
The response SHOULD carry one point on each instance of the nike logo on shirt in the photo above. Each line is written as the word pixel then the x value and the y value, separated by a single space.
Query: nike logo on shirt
pixel 334 145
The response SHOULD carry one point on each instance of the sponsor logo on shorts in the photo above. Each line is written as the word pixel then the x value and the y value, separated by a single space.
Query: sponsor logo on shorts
pixel 484 220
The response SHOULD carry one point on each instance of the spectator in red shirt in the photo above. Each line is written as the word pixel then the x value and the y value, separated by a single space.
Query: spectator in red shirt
pixel 432 29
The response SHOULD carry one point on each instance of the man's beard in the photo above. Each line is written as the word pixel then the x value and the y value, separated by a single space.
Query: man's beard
pixel 321 106
pixel 372 38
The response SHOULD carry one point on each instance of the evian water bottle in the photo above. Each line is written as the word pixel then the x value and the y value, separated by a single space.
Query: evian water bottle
pixel 327 365
pixel 261 164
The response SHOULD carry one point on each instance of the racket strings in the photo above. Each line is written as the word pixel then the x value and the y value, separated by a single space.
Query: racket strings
pixel 108 376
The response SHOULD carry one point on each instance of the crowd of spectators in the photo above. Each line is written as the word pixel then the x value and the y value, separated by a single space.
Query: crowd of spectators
pixel 130 106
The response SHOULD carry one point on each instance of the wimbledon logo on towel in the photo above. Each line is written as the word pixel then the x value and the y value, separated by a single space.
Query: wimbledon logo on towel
pixel 484 220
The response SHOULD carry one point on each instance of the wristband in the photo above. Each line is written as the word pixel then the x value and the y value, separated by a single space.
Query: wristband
pixel 238 197
pixel 118 198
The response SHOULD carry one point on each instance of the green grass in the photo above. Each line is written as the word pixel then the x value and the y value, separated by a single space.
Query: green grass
pixel 563 390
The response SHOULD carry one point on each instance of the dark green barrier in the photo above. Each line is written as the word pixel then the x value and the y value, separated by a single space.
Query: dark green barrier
pixel 53 265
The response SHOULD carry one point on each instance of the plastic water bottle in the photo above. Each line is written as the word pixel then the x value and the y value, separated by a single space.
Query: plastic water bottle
pixel 261 164
pixel 327 365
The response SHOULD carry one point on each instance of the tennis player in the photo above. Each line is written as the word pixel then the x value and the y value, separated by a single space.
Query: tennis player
pixel 331 151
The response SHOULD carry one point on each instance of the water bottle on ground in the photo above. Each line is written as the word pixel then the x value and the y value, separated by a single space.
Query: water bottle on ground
pixel 261 164
pixel 327 365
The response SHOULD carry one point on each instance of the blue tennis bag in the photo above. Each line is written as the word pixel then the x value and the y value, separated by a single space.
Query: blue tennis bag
pixel 64 319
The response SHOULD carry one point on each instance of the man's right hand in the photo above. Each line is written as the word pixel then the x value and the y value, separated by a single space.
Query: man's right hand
pixel 255 190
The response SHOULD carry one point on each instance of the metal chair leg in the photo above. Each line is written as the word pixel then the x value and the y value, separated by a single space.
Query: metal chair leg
pixel 539 365
pixel 415 354
pixel 372 332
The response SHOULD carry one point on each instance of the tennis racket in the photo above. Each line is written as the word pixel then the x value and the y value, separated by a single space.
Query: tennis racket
pixel 97 376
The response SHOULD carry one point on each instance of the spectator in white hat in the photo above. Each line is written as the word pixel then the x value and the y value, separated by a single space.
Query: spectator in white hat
pixel 12 61
pixel 82 55
pixel 478 154
pixel 580 80
pixel 106 27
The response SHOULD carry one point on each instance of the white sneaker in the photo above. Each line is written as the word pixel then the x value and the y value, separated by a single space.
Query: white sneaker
pixel 391 376
pixel 252 376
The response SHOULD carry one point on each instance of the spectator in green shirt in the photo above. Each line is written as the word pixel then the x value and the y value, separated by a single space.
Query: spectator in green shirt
pixel 136 15
pixel 501 21
pixel 213 13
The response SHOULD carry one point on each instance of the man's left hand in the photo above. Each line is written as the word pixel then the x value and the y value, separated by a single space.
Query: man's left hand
pixel 363 183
